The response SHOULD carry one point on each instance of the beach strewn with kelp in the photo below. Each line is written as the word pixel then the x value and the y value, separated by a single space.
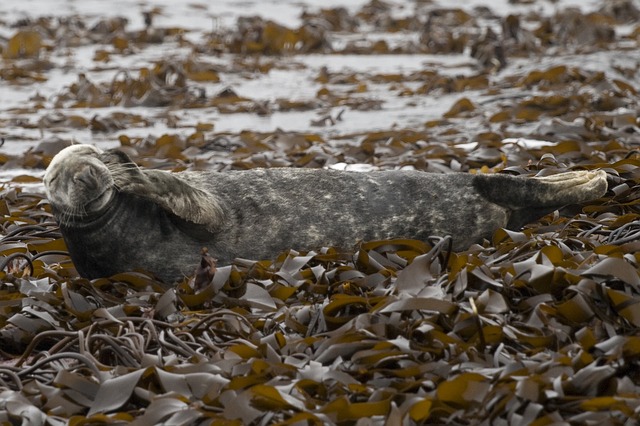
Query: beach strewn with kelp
pixel 537 326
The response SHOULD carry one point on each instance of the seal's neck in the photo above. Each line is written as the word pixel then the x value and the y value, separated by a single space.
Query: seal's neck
pixel 119 238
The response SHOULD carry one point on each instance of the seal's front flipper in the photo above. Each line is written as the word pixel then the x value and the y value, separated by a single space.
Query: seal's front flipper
pixel 532 198
pixel 165 189
pixel 182 199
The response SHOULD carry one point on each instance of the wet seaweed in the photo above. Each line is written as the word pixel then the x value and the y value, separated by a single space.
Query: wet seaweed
pixel 535 326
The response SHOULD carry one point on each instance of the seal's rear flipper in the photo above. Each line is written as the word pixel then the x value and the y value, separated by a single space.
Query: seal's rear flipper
pixel 532 198
pixel 570 187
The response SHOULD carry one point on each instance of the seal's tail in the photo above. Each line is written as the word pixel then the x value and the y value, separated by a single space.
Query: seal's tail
pixel 531 198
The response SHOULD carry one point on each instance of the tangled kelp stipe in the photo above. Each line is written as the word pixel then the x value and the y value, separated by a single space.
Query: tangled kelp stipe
pixel 536 326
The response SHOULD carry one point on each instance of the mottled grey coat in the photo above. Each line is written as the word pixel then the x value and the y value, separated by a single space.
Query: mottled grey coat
pixel 159 221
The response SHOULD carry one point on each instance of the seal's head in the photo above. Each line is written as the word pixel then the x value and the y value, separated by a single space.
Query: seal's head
pixel 78 183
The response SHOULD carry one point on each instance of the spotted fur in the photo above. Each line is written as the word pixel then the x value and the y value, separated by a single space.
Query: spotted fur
pixel 158 221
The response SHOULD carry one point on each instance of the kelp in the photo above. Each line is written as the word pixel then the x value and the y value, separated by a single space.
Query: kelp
pixel 534 326
pixel 545 317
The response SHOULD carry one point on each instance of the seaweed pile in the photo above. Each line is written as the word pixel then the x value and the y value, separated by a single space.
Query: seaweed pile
pixel 536 326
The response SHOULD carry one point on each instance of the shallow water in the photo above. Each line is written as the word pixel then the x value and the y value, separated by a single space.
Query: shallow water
pixel 294 77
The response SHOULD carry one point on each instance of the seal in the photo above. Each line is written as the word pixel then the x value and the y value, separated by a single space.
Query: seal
pixel 116 217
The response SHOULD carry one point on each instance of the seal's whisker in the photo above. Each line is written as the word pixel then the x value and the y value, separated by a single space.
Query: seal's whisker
pixel 119 167
pixel 67 215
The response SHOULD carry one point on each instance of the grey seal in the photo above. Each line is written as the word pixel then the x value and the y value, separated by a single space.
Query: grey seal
pixel 115 216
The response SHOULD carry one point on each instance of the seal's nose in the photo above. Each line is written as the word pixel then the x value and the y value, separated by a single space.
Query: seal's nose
pixel 86 176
